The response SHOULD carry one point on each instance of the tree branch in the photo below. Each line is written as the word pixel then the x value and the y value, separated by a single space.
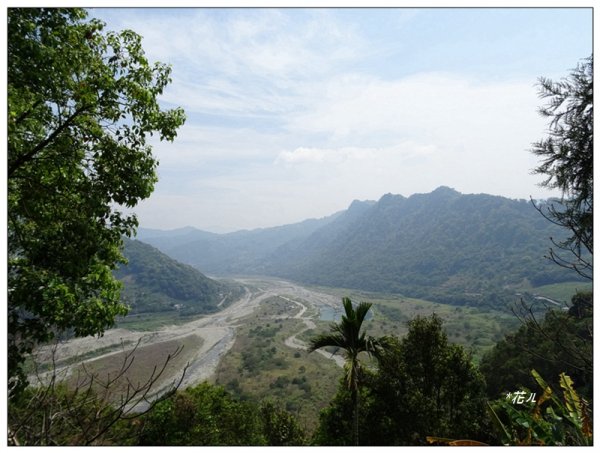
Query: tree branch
pixel 17 163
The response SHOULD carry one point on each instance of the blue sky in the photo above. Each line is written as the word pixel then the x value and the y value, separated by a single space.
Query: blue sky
pixel 294 113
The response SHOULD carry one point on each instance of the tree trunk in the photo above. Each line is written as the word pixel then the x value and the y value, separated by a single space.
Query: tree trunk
pixel 355 404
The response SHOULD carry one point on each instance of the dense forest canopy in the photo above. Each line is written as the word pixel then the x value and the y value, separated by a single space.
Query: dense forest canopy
pixel 153 282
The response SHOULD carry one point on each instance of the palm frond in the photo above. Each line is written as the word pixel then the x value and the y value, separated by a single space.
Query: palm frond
pixel 348 308
pixel 374 346
pixel 361 312
pixel 322 341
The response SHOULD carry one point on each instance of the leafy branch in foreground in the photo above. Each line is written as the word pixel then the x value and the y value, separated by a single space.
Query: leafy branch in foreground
pixel 82 103
pixel 551 421
pixel 568 164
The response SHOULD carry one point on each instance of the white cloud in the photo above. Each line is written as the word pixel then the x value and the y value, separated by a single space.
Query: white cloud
pixel 286 121
pixel 249 62
pixel 439 106
pixel 349 155
pixel 311 155
pixel 476 134
pixel 357 137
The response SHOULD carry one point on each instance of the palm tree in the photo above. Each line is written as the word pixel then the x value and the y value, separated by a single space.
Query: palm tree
pixel 347 335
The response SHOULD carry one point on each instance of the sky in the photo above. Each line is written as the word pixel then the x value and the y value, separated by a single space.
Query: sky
pixel 294 113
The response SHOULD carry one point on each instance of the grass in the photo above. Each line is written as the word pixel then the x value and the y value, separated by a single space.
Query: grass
pixel 562 292
pixel 477 329
pixel 148 322
pixel 261 367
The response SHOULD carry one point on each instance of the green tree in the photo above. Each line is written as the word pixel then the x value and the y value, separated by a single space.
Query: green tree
pixel 202 415
pixel 561 342
pixel 208 415
pixel 81 105
pixel 568 163
pixel 427 386
pixel 280 428
pixel 423 386
pixel 347 335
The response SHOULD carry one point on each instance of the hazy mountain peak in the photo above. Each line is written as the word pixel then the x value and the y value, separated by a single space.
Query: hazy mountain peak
pixel 445 190
pixel 143 233
pixel 360 204
pixel 390 198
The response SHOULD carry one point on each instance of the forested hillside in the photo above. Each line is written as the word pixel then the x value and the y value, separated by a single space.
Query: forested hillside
pixel 445 246
pixel 231 253
pixel 156 283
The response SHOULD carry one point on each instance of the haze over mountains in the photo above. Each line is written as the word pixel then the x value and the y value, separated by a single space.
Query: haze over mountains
pixel 444 246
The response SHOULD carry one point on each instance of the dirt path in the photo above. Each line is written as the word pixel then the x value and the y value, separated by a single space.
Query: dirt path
pixel 295 343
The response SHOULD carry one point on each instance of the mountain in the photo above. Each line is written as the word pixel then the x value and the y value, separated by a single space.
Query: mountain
pixel 154 282
pixel 233 253
pixel 444 246
pixel 290 256
pixel 165 240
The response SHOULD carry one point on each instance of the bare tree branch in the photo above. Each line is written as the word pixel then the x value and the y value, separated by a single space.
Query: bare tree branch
pixel 85 410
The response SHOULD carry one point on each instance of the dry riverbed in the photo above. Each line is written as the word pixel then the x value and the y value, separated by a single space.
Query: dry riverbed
pixel 205 340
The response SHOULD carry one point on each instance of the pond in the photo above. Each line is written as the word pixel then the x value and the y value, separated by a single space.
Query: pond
pixel 328 313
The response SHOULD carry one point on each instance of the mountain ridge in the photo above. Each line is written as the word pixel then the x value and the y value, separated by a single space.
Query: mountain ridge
pixel 441 245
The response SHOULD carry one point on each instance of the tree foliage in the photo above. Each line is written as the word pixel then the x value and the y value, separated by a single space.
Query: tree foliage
pixel 208 415
pixel 549 420
pixel 81 104
pixel 568 163
pixel 428 386
pixel 561 342
pixel 423 386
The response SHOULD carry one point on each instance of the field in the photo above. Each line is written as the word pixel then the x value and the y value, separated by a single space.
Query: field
pixel 261 366
pixel 562 292
pixel 475 329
